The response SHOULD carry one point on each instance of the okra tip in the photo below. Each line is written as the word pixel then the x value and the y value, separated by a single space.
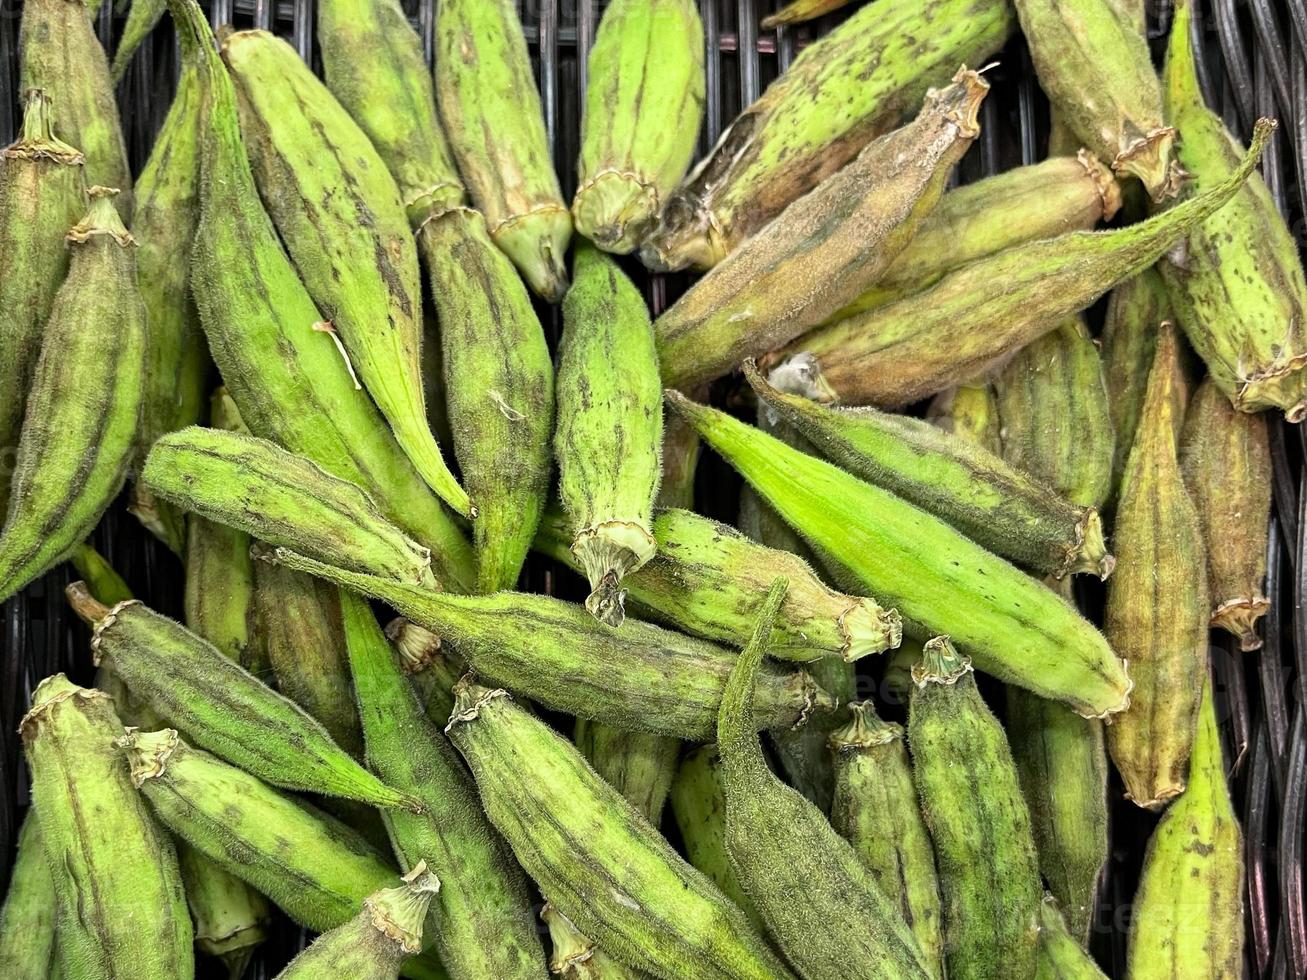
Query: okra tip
pixel 37 140
pixel 469 698
pixel 1150 157
pixel 101 219
pixel 147 752
pixel 52 691
pixel 799 375
pixel 864 729
pixel 688 235
pixel 1239 617
pixel 1156 798
pixel 941 663
pixel 570 945
pixel 1108 187
pixel 1089 554
pixel 868 629
pixel 608 552
pixel 397 913
pixel 960 102
pixel 416 644
pixel 614 209
pixel 1281 384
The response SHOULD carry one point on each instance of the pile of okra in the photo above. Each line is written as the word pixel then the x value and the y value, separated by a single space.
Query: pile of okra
pixel 304 342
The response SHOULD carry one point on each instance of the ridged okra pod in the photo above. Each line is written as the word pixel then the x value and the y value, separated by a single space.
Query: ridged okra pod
pixel 626 887
pixel 41 197
pixel 610 428
pixel 312 866
pixel 843 91
pixel 1024 204
pixel 1188 911
pixel 782 845
pixel 499 388
pixel 1157 603
pixel 643 105
pixel 222 707
pixel 994 503
pixel 801 10
pixel 496 128
pixel 876 810
pixel 1019 630
pixel 373 62
pixel 119 906
pixel 642 678
pixel 27 918
pixel 976 315
pixel 105 583
pixel 1061 957
pixel 1225 457
pixel 1129 340
pixel 706 578
pixel 971 799
pixel 1238 286
pixel 60 55
pixel 851 226
pixel 480 924
pixel 1093 62
pixel 282 498
pixel 231 918
pixel 176 358
pixel 84 404
pixel 142 18
pixel 289 381
pixel 340 215
pixel 375 943
pixel 969 411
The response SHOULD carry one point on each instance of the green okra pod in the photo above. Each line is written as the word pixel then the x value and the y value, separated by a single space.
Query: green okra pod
pixel 799 11
pixel 642 678
pixel 1093 62
pixel 1237 286
pixel 783 845
pixel 1019 630
pixel 1225 457
pixel 432 670
pixel 875 809
pixel 706 577
pixel 594 855
pixel 142 18
pixel 60 55
pixel 222 707
pixel 119 905
pixel 105 583
pixel 1061 957
pixel 1135 310
pixel 311 865
pixel 638 765
pixel 643 105
pixel 231 918
pixel 803 753
pixel 971 799
pixel 969 411
pixel 843 91
pixel 84 405
pixel 41 196
pixel 851 226
pixel 282 498
pixel 480 922
pixel 610 428
pixel 1157 604
pixel 975 316
pixel 372 60
pixel 496 128
pixel 288 380
pixel 339 213
pixel 996 504
pixel 27 918
pixel 499 388
pixel 176 358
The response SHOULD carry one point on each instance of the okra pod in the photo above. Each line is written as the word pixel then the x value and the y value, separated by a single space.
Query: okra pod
pixel 1237 286
pixel 610 428
pixel 643 105
pixel 842 92
pixel 481 921
pixel 994 503
pixel 594 855
pixel 783 845
pixel 27 918
pixel 280 497
pixel 119 906
pixel 576 957
pixel 41 196
pixel 1061 957
pixel 971 799
pixel 221 706
pixel 799 11
pixel 372 60
pixel 875 809
pixel 803 753
pixel 84 403
pixel 105 583
pixel 569 662
pixel 341 218
pixel 289 382
pixel 142 18
pixel 432 670
pixel 706 577
pixel 1225 457
pixel 496 128
pixel 1020 631
pixel 970 411
pixel 231 918
pixel 499 388
pixel 976 315
pixel 638 765
pixel 851 226
pixel 311 865
pixel 1157 604
pixel 1135 310
pixel 375 943
pixel 680 462
pixel 60 55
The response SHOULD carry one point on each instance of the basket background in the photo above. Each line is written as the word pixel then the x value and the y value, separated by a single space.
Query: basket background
pixel 1254 64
